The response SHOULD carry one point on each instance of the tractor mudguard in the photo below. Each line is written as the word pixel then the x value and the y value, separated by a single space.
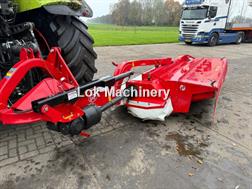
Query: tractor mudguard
pixel 58 7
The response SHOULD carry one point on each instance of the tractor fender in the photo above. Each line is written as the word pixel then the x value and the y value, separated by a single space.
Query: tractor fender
pixel 59 7
pixel 85 10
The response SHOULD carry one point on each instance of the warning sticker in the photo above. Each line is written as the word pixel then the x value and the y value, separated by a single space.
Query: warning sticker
pixel 72 95
pixel 10 73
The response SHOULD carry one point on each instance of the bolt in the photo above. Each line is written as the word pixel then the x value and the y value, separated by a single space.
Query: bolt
pixel 182 87
pixel 62 79
pixel 45 108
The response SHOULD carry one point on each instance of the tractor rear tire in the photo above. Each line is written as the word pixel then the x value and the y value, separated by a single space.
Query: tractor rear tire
pixel 70 34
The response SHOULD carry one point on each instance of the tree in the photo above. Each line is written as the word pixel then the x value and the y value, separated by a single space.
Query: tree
pixel 147 16
pixel 107 19
pixel 146 12
pixel 173 11
pixel 120 12
pixel 159 12
pixel 135 13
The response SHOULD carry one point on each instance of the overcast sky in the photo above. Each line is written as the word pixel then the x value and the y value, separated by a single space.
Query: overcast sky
pixel 102 7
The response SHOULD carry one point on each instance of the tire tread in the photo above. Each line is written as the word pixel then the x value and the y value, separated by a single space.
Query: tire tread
pixel 77 47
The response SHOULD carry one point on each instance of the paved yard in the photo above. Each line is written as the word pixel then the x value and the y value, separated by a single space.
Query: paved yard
pixel 186 151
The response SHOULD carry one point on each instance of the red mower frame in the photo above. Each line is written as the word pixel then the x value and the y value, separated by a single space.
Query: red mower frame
pixel 58 99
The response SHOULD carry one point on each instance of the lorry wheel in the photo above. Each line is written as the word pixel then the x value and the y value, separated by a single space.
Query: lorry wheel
pixel 240 38
pixel 213 41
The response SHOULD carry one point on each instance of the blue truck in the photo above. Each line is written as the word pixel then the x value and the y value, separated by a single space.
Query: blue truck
pixel 215 22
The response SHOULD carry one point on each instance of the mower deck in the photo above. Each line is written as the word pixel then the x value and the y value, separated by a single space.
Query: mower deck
pixel 59 101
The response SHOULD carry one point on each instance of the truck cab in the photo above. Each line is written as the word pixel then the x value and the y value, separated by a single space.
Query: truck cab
pixel 204 22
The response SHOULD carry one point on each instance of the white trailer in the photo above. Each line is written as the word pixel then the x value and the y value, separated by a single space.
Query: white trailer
pixel 216 21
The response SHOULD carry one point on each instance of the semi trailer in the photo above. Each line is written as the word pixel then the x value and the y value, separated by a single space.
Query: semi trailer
pixel 215 22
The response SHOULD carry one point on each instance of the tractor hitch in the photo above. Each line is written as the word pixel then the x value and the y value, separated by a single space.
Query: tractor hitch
pixel 92 116
pixel 73 94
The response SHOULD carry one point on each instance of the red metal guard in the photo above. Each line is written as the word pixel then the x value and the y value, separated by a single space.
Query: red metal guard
pixel 186 78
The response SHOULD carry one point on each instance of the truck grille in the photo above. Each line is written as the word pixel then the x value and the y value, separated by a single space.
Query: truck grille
pixel 188 36
pixel 189 30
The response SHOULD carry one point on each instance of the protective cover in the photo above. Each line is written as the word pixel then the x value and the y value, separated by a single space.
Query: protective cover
pixel 186 78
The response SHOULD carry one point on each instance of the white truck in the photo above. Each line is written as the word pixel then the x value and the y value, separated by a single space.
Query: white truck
pixel 215 22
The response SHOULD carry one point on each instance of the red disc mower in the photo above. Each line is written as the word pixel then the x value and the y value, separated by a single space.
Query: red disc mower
pixel 58 99
pixel 36 84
